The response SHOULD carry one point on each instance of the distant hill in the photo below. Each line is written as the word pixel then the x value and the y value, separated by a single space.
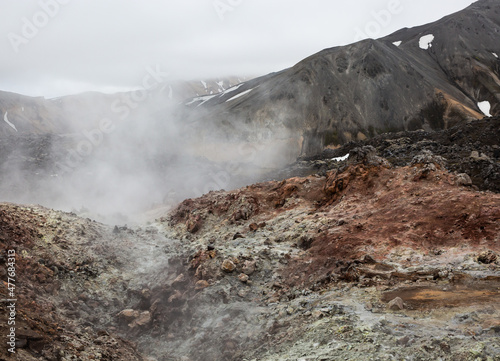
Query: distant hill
pixel 38 115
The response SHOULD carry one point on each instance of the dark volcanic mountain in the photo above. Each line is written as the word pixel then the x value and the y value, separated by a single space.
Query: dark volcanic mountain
pixel 428 77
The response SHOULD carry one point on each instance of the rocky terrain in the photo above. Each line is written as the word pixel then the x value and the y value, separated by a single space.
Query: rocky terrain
pixel 347 208
pixel 471 148
pixel 367 259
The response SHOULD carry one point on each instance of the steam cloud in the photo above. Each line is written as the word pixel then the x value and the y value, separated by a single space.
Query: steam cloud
pixel 131 153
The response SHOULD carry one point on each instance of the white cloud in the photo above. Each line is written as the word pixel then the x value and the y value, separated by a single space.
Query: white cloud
pixel 98 45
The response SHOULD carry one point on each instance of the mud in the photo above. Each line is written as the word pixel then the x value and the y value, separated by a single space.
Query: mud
pixel 446 296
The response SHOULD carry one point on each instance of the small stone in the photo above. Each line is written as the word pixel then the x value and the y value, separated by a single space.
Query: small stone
pixel 317 314
pixel 128 314
pixel 242 293
pixel 463 179
pixel 238 235
pixel 243 278
pixel 396 304
pixel 443 274
pixel 249 267
pixel 487 257
pixel 228 266
pixel 194 224
pixel 143 319
pixel 367 259
pixel 175 298
pixel 475 155
pixel 403 341
pixel 180 279
pixel 253 227
pixel 445 346
pixel 201 284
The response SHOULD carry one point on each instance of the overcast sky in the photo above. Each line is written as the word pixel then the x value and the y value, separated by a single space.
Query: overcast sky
pixel 59 47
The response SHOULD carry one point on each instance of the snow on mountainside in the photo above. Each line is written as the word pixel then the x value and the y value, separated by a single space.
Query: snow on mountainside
pixel 72 113
pixel 428 77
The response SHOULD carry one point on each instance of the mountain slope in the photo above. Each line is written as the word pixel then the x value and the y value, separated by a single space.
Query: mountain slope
pixel 36 115
pixel 73 113
pixel 370 87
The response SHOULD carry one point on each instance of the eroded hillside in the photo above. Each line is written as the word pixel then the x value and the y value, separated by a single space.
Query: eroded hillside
pixel 366 261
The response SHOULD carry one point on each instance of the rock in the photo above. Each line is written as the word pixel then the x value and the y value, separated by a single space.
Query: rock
pixel 143 319
pixel 396 304
pixel 366 155
pixel 403 341
pixel 304 242
pixel 243 293
pixel 445 347
pixel 475 155
pixel 176 298
pixel 180 279
pixel 243 278
pixel 463 179
pixel 317 314
pixel 253 227
pixel 201 284
pixel 128 314
pixel 367 259
pixel 135 318
pixel 443 274
pixel 238 235
pixel 228 266
pixel 249 267
pixel 487 257
pixel 427 158
pixel 193 224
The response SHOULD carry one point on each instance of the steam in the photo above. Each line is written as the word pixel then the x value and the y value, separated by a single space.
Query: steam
pixel 132 153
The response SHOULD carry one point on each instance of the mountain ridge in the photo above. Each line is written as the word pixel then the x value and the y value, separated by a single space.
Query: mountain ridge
pixel 370 87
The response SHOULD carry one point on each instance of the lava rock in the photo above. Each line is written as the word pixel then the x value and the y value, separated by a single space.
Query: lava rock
pixel 228 266
pixel 396 304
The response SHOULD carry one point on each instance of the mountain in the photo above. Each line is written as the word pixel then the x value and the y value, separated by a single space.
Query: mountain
pixel 24 115
pixel 428 77
pixel 35 115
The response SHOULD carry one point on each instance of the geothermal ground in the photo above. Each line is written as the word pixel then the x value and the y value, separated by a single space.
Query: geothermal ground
pixel 379 257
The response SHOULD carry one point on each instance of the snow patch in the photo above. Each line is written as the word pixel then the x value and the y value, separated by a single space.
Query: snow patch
pixel 221 85
pixel 239 95
pixel 426 41
pixel 495 55
pixel 205 99
pixel 485 107
pixel 202 99
pixel 194 100
pixel 204 84
pixel 232 89
pixel 397 43
pixel 9 123
pixel 340 159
